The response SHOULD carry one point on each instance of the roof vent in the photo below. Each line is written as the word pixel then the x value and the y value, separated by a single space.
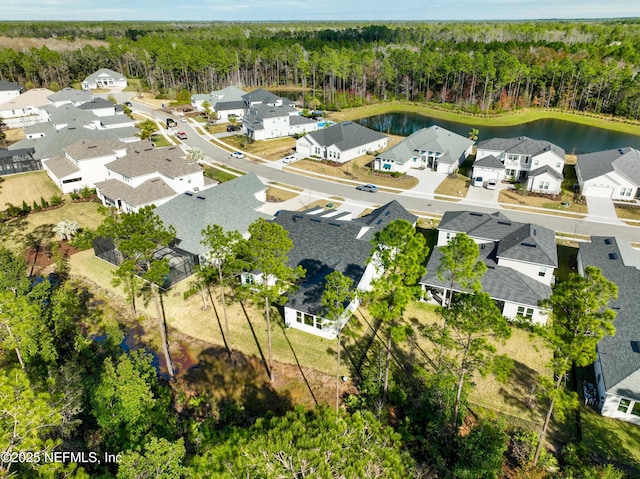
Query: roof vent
pixel 201 197
pixel 608 241
pixel 613 255
pixel 188 193
pixel 506 223
pixel 635 346
pixel 335 224
pixel 530 245
pixel 475 214
pixel 621 151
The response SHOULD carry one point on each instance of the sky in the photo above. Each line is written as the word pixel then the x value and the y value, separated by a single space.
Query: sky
pixel 283 10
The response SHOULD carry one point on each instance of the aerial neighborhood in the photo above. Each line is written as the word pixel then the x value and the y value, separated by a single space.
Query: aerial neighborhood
pixel 242 230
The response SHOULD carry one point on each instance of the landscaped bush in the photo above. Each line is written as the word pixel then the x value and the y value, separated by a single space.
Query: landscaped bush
pixel 74 195
pixel 44 203
pixel 13 211
pixel 56 200
pixel 83 239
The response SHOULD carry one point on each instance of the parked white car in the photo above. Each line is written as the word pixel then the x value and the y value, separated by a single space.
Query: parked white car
pixel 492 184
pixel 237 154
pixel 477 181
pixel 289 159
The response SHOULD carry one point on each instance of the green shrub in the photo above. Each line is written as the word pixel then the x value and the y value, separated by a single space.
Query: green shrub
pixel 26 209
pixel 83 239
pixel 56 200
pixel 74 195
pixel 44 203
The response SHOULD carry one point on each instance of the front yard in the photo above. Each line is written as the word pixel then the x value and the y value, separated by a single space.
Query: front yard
pixel 543 201
pixel 271 150
pixel 453 185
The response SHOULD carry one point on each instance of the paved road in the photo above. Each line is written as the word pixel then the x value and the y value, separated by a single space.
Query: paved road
pixel 561 224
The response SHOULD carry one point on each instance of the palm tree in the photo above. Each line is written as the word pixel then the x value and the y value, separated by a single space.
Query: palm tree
pixel 473 134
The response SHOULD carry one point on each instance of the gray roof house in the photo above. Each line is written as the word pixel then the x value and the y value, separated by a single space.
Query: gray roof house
pixel 611 174
pixel 617 366
pixel 234 205
pixel 538 163
pixel 520 260
pixel 341 142
pixel 18 161
pixel 69 95
pixel 104 78
pixel 9 90
pixel 225 102
pixel 435 147
pixel 326 241
pixel 265 121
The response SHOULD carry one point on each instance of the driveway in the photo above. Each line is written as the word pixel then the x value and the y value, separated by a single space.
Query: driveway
pixel 602 209
pixel 428 181
pixel 483 195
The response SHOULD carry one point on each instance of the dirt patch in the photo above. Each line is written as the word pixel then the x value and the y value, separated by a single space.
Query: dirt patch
pixel 26 43
pixel 40 258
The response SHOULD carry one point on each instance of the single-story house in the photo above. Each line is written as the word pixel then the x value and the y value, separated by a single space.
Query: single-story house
pixel 104 78
pixel 539 162
pixel 341 142
pixel 520 259
pixel 327 241
pixel 436 148
pixel 9 90
pixel 26 109
pixel 617 366
pixel 611 174
pixel 234 205
pixel 18 161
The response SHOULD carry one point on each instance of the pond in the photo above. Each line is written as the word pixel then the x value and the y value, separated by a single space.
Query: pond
pixel 573 137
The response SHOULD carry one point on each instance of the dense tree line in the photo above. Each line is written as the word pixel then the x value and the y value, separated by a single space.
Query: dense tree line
pixel 478 67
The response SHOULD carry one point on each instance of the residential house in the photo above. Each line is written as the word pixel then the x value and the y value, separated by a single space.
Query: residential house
pixel 341 142
pixel 104 78
pixel 617 366
pixel 226 103
pixel 266 121
pixel 611 174
pixel 537 163
pixel 82 163
pixel 146 176
pixel 9 90
pixel 18 161
pixel 326 241
pixel 68 96
pixel 435 148
pixel 234 205
pixel 520 258
pixel 26 109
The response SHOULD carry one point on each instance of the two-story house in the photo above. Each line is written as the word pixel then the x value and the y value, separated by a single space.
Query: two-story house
pixel 226 103
pixel 146 176
pixel 104 78
pixel 26 109
pixel 538 164
pixel 9 90
pixel 520 259
pixel 617 365
pixel 611 174
pixel 435 148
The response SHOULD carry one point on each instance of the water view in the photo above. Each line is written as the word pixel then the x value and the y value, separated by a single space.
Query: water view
pixel 573 137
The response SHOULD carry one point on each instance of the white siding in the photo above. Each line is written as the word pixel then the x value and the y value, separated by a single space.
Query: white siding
pixel 528 269
pixel 538 315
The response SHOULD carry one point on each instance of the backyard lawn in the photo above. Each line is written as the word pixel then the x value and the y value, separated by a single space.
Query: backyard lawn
pixel 27 187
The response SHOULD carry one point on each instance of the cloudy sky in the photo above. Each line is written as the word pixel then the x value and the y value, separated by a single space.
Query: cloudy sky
pixel 266 10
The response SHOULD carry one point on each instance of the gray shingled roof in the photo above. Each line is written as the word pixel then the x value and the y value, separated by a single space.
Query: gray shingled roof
pixel 54 142
pixel 169 162
pixel 434 138
pixel 510 234
pixel 69 94
pixel 90 148
pixel 323 245
pixel 104 73
pixel 257 112
pixel 500 282
pixel 146 193
pixel 61 166
pixel 345 136
pixel 521 145
pixel 301 120
pixel 229 105
pixel 96 104
pixel 545 169
pixel 9 86
pixel 620 364
pixel 70 115
pixel 489 162
pixel 263 96
pixel 625 161
pixel 232 205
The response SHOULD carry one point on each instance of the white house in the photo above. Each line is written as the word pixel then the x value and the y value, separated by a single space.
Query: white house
pixel 9 90
pixel 83 163
pixel 26 109
pixel 104 78
pixel 226 102
pixel 617 366
pixel 520 259
pixel 327 241
pixel 264 121
pixel 341 142
pixel 611 174
pixel 435 148
pixel 537 163
pixel 148 176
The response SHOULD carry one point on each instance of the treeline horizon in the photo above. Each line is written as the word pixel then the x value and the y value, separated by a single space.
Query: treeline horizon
pixel 480 67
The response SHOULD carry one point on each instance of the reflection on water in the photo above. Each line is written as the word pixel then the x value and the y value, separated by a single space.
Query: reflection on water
pixel 573 137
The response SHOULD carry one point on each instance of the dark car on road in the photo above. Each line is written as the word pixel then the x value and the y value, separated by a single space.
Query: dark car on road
pixel 369 188
pixel 234 128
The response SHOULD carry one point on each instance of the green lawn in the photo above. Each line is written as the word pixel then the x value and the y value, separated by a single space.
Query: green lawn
pixel 27 187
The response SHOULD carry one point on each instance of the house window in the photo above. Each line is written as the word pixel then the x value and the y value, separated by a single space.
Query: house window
pixel 536 163
pixel 386 166
pixel 298 316
pixel 510 172
pixel 542 272
pixel 512 157
pixel 525 312
pixel 625 191
pixel 624 405
pixel 636 409
pixel 544 185
pixel 558 164
pixel 526 160
pixel 308 319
